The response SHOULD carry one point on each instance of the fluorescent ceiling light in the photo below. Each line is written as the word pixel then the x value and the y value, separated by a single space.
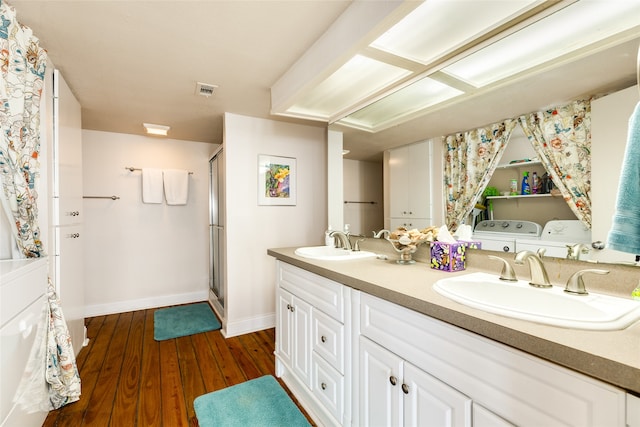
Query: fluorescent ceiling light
pixel 446 51
pixel 350 84
pixel 159 130
pixel 572 28
pixel 438 27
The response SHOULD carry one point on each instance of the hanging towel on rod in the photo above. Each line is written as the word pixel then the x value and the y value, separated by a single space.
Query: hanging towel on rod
pixel 176 186
pixel 624 235
pixel 151 185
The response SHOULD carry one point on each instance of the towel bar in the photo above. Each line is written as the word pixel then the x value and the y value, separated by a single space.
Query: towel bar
pixel 131 169
pixel 101 197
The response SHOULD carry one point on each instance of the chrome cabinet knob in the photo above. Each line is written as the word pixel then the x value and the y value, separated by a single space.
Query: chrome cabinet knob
pixel 323 338
pixel 405 389
pixel 324 386
pixel 393 380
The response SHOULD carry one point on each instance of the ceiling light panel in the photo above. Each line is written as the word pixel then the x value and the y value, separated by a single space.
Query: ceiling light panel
pixel 356 80
pixel 574 27
pixel 407 101
pixel 438 27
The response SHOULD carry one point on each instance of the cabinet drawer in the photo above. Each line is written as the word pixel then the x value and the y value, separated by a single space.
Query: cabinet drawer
pixel 328 387
pixel 328 339
pixel 21 287
pixel 324 294
pixel 16 340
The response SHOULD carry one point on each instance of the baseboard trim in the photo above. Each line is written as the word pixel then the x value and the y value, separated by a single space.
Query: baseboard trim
pixel 144 303
pixel 249 325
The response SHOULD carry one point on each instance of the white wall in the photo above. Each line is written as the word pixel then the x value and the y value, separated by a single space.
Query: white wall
pixel 143 255
pixel 252 229
pixel 363 183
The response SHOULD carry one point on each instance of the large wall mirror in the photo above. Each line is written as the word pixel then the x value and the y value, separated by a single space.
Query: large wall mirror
pixel 609 70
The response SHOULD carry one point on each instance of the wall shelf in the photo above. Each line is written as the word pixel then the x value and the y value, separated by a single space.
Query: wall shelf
pixel 519 164
pixel 519 196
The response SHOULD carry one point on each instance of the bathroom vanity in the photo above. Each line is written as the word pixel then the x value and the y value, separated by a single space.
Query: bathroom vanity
pixel 369 342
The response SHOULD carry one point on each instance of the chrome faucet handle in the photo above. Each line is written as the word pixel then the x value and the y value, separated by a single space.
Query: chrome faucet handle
pixel 507 272
pixel 356 245
pixel 575 284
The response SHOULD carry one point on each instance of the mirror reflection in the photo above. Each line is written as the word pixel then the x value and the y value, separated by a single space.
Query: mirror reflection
pixel 569 238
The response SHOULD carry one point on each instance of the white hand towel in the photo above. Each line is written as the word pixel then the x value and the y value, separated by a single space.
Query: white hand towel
pixel 151 185
pixel 176 186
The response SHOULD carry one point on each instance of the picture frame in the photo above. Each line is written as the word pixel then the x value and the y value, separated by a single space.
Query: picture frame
pixel 277 177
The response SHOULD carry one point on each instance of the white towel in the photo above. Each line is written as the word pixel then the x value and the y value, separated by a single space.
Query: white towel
pixel 176 186
pixel 151 185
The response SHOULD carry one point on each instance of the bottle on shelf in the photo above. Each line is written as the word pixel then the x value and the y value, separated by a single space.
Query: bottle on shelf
pixel 535 182
pixel 525 189
pixel 514 187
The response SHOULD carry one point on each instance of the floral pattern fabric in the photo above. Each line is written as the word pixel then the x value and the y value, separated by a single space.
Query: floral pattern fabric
pixel 470 160
pixel 22 65
pixel 562 139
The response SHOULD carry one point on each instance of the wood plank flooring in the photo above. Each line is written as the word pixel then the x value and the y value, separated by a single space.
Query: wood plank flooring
pixel 129 379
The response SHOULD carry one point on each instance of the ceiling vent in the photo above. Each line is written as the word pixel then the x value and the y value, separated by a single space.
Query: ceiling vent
pixel 205 89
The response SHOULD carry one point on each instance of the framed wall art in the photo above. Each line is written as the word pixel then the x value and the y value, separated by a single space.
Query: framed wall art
pixel 276 180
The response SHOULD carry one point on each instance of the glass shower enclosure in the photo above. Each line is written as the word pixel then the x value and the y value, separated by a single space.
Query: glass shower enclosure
pixel 216 232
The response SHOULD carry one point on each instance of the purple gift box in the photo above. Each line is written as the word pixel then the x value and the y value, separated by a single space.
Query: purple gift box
pixel 451 256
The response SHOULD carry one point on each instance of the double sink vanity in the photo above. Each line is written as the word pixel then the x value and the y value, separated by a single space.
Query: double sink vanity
pixel 362 340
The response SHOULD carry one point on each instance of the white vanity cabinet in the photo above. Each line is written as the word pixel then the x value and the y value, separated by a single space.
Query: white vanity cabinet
pixel 313 324
pixel 409 174
pixel 460 377
pixel 393 392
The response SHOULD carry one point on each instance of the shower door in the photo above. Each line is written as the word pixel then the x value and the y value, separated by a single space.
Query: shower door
pixel 216 233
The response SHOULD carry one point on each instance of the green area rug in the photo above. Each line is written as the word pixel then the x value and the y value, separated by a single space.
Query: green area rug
pixel 183 320
pixel 258 402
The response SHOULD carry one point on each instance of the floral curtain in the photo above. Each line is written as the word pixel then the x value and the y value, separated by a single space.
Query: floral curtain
pixel 562 139
pixel 22 64
pixel 470 160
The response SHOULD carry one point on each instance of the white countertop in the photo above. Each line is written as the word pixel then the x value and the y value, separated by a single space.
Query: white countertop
pixel 611 356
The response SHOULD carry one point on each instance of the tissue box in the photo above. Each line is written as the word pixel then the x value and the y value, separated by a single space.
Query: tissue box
pixel 451 256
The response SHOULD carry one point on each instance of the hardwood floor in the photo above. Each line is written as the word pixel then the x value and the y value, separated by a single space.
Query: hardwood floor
pixel 129 379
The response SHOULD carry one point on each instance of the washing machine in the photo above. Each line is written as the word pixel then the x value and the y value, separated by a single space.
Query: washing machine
pixel 557 237
pixel 501 235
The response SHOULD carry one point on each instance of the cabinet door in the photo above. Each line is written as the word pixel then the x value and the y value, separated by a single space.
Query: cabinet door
pixel 301 344
pixel 482 417
pixel 430 402
pixel 409 223
pixel 284 324
pixel 380 385
pixel 399 182
pixel 419 184
pixel 69 280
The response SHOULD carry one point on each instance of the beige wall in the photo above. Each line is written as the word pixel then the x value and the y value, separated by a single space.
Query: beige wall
pixel 363 183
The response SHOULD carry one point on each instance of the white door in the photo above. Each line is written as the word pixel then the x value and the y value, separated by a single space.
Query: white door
pixel 380 385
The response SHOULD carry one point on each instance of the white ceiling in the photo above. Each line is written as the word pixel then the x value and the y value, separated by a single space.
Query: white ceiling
pixel 130 62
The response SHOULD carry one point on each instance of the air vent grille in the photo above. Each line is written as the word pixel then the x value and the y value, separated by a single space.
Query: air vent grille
pixel 205 89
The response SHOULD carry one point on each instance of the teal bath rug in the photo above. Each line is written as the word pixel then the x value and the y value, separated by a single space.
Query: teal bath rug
pixel 259 402
pixel 183 320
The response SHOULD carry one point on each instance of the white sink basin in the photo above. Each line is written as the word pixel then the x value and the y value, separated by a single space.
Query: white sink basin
pixel 329 253
pixel 549 306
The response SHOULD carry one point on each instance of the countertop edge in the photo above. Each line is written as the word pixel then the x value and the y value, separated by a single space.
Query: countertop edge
pixel 610 371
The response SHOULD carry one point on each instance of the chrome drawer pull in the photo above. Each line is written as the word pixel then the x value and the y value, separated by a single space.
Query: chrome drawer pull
pixel 323 338
pixel 324 386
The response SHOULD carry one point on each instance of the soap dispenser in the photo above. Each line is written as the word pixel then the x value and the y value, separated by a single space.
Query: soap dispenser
pixel 328 240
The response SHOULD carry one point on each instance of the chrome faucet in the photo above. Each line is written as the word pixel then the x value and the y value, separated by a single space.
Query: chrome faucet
pixel 539 277
pixel 342 239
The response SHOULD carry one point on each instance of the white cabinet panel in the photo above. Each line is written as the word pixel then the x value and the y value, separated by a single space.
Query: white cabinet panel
pixel 410 182
pixel 380 394
pixel 328 386
pixel 294 335
pixel 482 417
pixel 328 339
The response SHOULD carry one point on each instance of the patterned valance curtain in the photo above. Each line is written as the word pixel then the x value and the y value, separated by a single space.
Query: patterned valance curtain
pixel 470 160
pixel 22 64
pixel 562 139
